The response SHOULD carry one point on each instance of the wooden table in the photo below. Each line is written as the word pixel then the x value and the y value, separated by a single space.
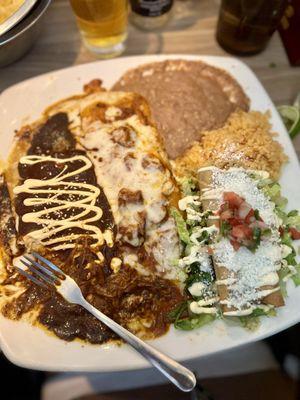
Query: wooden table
pixel 191 31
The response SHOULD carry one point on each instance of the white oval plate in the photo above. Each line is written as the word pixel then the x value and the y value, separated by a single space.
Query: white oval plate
pixel 32 347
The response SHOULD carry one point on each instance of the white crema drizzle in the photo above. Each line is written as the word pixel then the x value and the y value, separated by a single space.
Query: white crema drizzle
pixel 198 253
pixel 78 195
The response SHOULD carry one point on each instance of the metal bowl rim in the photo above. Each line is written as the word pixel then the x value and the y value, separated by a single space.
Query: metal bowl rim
pixel 32 18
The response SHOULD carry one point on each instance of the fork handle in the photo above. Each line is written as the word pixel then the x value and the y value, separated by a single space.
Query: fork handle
pixel 180 376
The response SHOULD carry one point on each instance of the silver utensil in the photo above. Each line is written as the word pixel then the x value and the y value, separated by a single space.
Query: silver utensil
pixel 17 16
pixel 51 275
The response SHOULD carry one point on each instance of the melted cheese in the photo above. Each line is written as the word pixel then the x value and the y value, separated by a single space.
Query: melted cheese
pixel 110 158
pixel 126 166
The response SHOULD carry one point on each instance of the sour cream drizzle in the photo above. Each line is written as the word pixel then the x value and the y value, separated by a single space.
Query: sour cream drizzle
pixel 198 254
pixel 85 196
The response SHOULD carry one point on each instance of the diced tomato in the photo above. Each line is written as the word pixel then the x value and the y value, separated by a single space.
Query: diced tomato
pixel 223 207
pixel 258 224
pixel 226 214
pixel 247 243
pixel 210 250
pixel 235 244
pixel 281 231
pixel 261 224
pixel 244 210
pixel 242 232
pixel 233 199
pixel 294 233
pixel 250 217
pixel 235 221
pixel 242 219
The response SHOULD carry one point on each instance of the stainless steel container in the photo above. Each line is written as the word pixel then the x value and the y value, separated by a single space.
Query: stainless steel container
pixel 16 42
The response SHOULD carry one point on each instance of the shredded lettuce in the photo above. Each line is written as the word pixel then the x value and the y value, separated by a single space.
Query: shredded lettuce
pixel 225 228
pixel 182 317
pixel 290 260
pixel 296 277
pixel 258 312
pixel 252 321
pixel 286 239
pixel 198 321
pixel 196 275
pixel 282 273
pixel 178 311
pixel 181 225
pixel 189 186
pixel 184 320
pixel 293 219
pixel 273 191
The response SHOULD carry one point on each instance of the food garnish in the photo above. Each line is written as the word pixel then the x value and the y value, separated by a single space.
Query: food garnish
pixel 238 247
pixel 291 117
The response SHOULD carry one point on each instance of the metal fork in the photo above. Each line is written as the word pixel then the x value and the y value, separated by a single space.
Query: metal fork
pixel 51 275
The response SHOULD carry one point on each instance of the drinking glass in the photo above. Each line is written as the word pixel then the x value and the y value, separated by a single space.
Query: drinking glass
pixel 102 24
pixel 245 26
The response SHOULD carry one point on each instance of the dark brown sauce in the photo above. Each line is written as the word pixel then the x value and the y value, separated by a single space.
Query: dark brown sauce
pixel 125 296
pixel 8 234
pixel 55 139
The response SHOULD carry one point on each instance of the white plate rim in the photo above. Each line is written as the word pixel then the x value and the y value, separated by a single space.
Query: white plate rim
pixel 129 359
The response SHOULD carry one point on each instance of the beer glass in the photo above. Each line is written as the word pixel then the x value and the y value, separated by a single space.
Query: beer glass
pixel 102 24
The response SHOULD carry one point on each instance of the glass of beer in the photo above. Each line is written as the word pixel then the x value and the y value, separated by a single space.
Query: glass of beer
pixel 102 24
pixel 246 26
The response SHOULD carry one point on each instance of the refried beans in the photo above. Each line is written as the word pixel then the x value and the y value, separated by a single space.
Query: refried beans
pixel 186 98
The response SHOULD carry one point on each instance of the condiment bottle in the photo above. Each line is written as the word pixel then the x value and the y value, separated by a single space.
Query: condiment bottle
pixel 150 14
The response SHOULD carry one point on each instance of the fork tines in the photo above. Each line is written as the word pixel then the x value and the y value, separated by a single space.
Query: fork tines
pixel 41 275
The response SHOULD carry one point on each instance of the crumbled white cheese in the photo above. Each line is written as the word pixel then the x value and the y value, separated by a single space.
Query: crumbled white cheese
pixel 252 270
pixel 237 180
